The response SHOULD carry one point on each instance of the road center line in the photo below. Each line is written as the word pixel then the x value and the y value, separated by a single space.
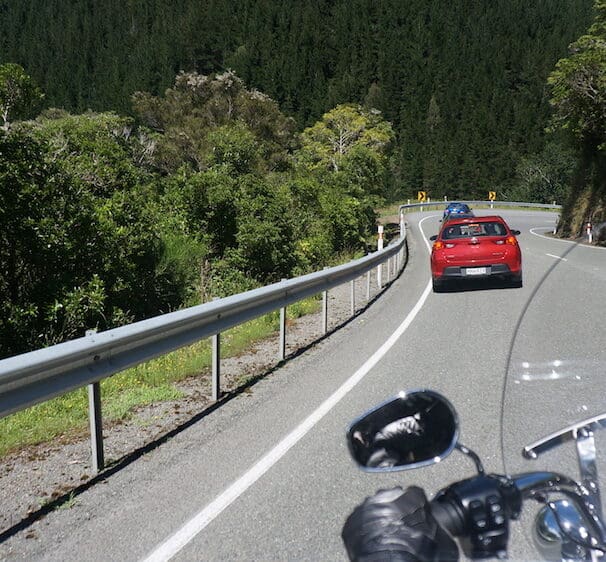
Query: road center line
pixel 198 522
pixel 557 257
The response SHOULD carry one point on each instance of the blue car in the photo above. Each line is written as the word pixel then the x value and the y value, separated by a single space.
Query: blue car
pixel 457 209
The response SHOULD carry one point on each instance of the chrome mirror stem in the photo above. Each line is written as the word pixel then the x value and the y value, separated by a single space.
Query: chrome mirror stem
pixel 586 452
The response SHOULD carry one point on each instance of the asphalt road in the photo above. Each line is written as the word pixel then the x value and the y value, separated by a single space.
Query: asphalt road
pixel 268 476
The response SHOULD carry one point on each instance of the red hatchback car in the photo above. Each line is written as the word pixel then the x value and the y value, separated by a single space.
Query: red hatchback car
pixel 473 248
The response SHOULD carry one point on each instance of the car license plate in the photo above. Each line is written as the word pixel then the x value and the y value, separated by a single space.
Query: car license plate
pixel 475 271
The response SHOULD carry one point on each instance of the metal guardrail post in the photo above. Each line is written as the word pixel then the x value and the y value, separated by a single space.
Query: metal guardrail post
pixel 324 312
pixel 95 421
pixel 368 285
pixel 96 426
pixel 353 296
pixel 216 367
pixel 216 364
pixel 282 352
pixel 379 248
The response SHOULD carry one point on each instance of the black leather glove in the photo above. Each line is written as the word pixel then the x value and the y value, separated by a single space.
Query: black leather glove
pixel 396 526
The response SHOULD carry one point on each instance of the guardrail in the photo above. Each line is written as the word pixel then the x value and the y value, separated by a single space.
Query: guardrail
pixel 41 375
pixel 491 204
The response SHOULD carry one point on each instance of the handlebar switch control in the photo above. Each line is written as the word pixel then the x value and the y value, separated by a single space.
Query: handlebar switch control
pixel 485 504
pixel 478 515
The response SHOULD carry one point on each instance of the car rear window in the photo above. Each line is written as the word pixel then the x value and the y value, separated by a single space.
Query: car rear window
pixel 470 230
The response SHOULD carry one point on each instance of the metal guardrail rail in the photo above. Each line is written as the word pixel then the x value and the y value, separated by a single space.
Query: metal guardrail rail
pixel 38 376
pixel 491 204
pixel 45 373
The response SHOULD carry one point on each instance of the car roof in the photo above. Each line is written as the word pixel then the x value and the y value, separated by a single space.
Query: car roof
pixel 473 220
pixel 455 204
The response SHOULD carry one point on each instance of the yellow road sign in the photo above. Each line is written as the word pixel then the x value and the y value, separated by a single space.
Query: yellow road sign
pixel 422 196
pixel 492 195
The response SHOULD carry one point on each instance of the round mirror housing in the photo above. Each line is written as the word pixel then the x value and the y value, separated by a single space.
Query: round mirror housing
pixel 412 430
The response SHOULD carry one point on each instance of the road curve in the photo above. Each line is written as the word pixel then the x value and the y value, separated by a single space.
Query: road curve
pixel 267 476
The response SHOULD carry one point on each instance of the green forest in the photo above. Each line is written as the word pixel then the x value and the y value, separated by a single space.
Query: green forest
pixel 463 83
pixel 156 154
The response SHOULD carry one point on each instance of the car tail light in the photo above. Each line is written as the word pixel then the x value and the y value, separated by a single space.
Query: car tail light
pixel 438 245
pixel 511 240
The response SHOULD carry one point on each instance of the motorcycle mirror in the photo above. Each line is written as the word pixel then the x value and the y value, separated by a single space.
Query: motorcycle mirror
pixel 411 430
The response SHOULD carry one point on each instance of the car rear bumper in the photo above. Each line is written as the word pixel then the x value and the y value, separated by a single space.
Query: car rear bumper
pixel 475 272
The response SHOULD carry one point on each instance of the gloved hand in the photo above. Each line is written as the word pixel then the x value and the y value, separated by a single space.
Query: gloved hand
pixel 396 526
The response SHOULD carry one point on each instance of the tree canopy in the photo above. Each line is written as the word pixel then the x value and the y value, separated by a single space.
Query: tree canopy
pixel 106 219
pixel 18 93
pixel 329 142
pixel 137 191
pixel 184 119
pixel 578 84
pixel 578 96
pixel 462 83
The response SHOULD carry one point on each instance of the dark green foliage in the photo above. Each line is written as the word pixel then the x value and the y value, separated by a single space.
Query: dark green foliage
pixel 19 96
pixel 34 201
pixel 48 233
pixel 204 121
pixel 208 190
pixel 104 222
pixel 578 88
pixel 264 232
pixel 545 177
pixel 463 83
pixel 578 85
pixel 80 243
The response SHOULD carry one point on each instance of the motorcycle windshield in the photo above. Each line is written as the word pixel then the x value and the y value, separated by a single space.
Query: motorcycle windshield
pixel 556 372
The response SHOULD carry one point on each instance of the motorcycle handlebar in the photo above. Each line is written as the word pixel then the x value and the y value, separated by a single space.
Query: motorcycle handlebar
pixel 448 516
pixel 478 509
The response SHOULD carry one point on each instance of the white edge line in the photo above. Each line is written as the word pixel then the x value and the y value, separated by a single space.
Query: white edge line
pixel 422 231
pixel 532 231
pixel 198 522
